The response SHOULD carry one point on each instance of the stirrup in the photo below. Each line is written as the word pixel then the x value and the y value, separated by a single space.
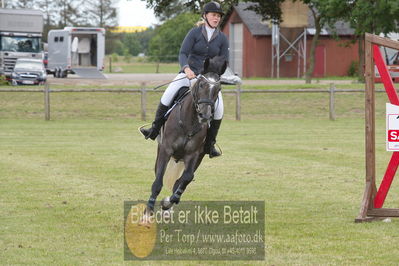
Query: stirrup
pixel 141 127
pixel 145 125
pixel 219 150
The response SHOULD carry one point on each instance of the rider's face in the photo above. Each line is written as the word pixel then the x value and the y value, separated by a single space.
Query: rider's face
pixel 213 19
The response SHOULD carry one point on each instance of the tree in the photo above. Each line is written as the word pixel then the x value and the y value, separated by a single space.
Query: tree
pixel 132 44
pixel 69 12
pixel 101 13
pixel 113 43
pixel 23 4
pixel 165 9
pixel 144 38
pixel 268 10
pixel 49 9
pixel 138 42
pixel 322 15
pixel 370 16
pixel 61 13
pixel 171 10
pixel 165 44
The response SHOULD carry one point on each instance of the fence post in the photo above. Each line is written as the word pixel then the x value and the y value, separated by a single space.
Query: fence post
pixel 157 66
pixel 238 102
pixel 332 101
pixel 143 102
pixel 110 64
pixel 46 101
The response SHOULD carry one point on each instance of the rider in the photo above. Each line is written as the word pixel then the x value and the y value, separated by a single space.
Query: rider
pixel 201 42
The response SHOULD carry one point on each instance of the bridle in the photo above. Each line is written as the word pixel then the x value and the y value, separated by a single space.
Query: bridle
pixel 207 101
pixel 197 127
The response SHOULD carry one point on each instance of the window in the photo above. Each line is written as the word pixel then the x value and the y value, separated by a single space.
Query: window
pixel 55 39
pixel 61 39
pixel 20 44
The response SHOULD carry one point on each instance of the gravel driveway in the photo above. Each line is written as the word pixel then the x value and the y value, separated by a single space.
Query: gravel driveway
pixel 157 79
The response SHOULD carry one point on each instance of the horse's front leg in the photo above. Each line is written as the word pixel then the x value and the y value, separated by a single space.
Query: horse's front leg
pixel 163 158
pixel 190 163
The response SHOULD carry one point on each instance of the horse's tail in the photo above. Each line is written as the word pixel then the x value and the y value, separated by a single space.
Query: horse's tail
pixel 172 173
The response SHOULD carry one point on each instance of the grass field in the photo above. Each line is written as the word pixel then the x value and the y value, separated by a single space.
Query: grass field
pixel 138 65
pixel 64 181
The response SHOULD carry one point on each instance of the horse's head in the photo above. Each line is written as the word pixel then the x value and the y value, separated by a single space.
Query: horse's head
pixel 205 90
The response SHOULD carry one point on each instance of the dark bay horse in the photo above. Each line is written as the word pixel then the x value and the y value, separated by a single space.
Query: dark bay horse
pixel 184 132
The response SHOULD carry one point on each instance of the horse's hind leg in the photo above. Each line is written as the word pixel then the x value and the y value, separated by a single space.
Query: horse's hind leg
pixel 187 176
pixel 160 166
pixel 198 162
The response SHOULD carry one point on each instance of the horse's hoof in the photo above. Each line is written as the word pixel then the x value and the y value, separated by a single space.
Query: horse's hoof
pixel 146 221
pixel 147 218
pixel 167 215
pixel 166 204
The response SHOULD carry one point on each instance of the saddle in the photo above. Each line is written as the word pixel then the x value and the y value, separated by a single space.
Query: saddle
pixel 180 95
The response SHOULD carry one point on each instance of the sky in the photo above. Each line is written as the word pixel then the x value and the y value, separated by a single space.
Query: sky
pixel 134 13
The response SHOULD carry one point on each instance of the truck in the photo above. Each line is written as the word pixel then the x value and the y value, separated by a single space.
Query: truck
pixel 76 50
pixel 20 37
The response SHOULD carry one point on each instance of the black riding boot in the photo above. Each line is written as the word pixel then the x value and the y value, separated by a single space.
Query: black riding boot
pixel 211 139
pixel 153 132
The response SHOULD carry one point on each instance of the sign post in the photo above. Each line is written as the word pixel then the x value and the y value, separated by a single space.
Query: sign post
pixel 373 199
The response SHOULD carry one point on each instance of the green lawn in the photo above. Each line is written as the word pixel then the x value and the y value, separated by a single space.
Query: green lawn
pixel 141 67
pixel 64 181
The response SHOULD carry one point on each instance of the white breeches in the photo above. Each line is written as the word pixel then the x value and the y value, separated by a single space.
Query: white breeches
pixel 173 88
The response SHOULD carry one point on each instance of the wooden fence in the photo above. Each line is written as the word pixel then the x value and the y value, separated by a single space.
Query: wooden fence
pixel 47 91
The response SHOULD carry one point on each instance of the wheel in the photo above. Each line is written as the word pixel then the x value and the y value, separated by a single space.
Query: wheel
pixel 64 74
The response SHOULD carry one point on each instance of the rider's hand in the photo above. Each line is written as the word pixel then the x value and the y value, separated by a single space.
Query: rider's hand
pixel 189 73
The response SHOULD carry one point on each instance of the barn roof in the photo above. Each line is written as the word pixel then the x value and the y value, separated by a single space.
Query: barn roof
pixel 258 27
pixel 252 20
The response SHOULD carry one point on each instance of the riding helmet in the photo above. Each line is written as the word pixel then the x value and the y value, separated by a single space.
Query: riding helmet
pixel 213 7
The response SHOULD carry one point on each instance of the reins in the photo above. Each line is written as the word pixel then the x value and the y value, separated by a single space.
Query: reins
pixel 157 87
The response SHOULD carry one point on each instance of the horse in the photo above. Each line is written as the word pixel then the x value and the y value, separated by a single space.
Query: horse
pixel 183 135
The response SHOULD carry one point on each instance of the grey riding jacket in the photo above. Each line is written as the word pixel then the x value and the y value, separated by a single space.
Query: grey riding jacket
pixel 196 48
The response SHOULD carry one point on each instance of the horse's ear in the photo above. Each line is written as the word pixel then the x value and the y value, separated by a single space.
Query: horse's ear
pixel 206 66
pixel 223 69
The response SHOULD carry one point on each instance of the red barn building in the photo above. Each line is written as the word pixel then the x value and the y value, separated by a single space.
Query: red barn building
pixel 251 44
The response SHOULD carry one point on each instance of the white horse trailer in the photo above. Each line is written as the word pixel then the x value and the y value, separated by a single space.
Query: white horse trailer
pixel 76 50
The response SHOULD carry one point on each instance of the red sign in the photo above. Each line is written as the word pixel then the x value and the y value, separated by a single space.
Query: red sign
pixel 393 135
